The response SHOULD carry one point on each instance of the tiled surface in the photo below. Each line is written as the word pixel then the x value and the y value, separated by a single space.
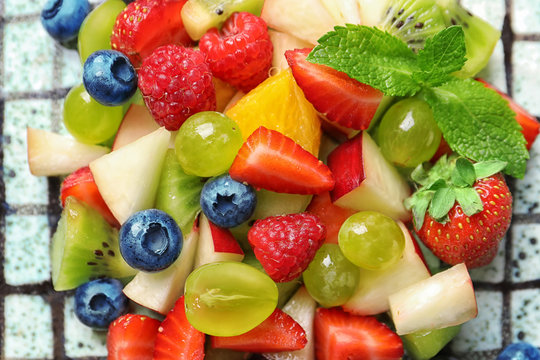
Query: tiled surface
pixel 35 74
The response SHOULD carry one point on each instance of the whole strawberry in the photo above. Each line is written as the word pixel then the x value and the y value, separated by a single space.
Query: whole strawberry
pixel 286 244
pixel 241 53
pixel 470 209
pixel 176 83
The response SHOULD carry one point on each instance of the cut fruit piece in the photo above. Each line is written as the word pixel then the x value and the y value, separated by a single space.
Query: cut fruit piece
pixel 272 161
pixel 279 104
pixel 301 307
pixel 84 247
pixel 365 180
pixel 224 93
pixel 199 16
pixel 374 287
pixel 372 11
pixel 216 244
pixel 159 291
pixel 343 11
pixel 445 299
pixel 178 194
pixel 128 177
pixel 137 123
pixel 132 337
pixel 424 345
pixel 332 216
pixel 279 332
pixel 51 154
pixel 283 42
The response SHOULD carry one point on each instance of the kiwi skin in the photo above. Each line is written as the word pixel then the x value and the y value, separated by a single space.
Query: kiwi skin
pixel 414 21
pixel 85 247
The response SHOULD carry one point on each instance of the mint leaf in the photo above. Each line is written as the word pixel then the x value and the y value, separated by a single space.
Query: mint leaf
pixel 370 56
pixel 442 55
pixel 478 124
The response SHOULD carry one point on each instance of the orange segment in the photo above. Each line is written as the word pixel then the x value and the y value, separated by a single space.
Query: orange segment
pixel 279 104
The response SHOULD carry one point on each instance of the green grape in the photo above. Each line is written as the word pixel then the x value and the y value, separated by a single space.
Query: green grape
pixel 407 134
pixel 330 278
pixel 96 29
pixel 89 121
pixel 371 240
pixel 228 298
pixel 207 143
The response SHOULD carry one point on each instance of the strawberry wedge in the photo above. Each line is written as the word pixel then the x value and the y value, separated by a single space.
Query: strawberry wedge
pixel 279 332
pixel 132 337
pixel 340 98
pixel 273 161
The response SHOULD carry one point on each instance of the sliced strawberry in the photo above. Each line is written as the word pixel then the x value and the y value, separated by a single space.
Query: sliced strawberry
pixel 81 185
pixel 332 216
pixel 529 124
pixel 132 337
pixel 273 161
pixel 342 336
pixel 177 339
pixel 279 332
pixel 340 98
pixel 145 25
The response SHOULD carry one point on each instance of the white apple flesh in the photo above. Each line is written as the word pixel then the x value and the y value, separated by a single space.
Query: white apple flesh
pixel 216 244
pixel 445 299
pixel 137 123
pixel 283 42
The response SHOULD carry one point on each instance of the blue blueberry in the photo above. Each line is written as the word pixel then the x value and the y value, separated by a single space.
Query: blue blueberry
pixel 100 302
pixel 109 77
pixel 227 202
pixel 63 18
pixel 520 351
pixel 150 240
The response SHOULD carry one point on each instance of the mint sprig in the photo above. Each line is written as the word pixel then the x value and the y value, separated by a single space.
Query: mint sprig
pixel 475 121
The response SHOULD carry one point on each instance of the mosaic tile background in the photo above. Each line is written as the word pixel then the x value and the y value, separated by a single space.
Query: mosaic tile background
pixel 35 75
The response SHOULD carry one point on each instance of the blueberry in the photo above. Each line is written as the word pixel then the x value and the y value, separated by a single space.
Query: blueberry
pixel 150 240
pixel 227 202
pixel 109 77
pixel 520 351
pixel 63 18
pixel 100 302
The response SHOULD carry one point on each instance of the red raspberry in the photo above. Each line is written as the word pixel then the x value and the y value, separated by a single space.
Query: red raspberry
pixel 286 244
pixel 176 83
pixel 241 54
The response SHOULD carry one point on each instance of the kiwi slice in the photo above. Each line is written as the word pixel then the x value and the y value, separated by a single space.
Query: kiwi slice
pixel 85 247
pixel 414 21
pixel 424 345
pixel 178 194
pixel 201 15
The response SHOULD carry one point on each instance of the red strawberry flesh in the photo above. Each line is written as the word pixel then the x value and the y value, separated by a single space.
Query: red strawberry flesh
pixel 132 337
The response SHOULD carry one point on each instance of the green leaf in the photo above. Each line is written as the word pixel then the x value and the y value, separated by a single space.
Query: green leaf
pixel 478 124
pixel 469 200
pixel 463 174
pixel 419 175
pixel 442 55
pixel 442 202
pixel 418 204
pixel 370 56
pixel 487 168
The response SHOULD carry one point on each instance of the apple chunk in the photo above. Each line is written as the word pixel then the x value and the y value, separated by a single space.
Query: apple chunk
pixel 51 154
pixel 445 299
pixel 365 180
pixel 216 244
pixel 374 287
pixel 137 123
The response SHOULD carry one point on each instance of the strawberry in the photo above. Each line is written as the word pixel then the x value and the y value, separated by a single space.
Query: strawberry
pixel 342 336
pixel 273 161
pixel 241 53
pixel 529 124
pixel 279 332
pixel 340 98
pixel 177 339
pixel 332 216
pixel 145 25
pixel 81 185
pixel 286 244
pixel 132 337
pixel 470 208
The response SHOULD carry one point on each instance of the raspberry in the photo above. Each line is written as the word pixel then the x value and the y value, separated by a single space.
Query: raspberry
pixel 286 244
pixel 241 54
pixel 176 83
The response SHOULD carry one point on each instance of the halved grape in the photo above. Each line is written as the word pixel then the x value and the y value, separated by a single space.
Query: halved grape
pixel 207 143
pixel 371 240
pixel 89 121
pixel 228 298
pixel 330 278
pixel 408 135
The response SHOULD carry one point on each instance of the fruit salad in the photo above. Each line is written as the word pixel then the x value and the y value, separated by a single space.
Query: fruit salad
pixel 268 183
